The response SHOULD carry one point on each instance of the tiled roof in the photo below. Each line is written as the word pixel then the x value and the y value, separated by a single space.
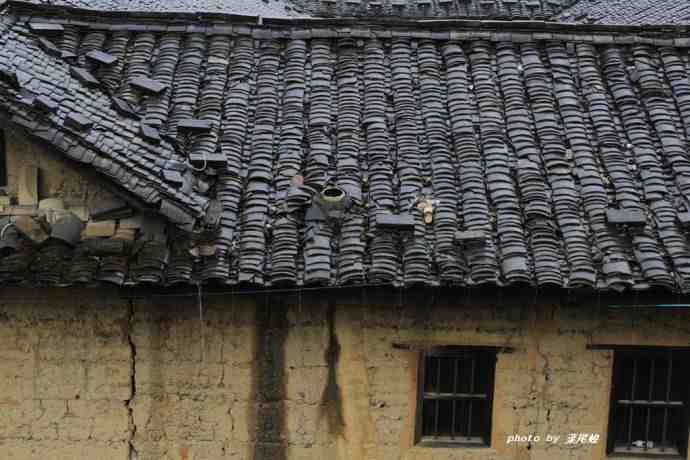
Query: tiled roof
pixel 269 8
pixel 63 104
pixel 628 12
pixel 536 9
pixel 503 9
pixel 460 155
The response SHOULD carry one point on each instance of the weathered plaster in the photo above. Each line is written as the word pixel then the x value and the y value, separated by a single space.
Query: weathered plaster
pixel 94 374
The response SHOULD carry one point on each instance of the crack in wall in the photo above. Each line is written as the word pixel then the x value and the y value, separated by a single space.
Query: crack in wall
pixel 132 427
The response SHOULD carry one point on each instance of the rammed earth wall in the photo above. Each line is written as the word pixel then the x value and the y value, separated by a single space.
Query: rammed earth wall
pixel 56 179
pixel 108 374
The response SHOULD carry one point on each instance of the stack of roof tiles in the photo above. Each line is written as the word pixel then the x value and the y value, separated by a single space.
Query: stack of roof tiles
pixel 370 155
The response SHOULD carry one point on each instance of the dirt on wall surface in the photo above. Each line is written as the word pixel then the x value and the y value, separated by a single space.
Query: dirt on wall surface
pixel 94 374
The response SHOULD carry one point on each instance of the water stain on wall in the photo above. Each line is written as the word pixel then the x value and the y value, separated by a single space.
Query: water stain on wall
pixel 269 379
pixel 331 398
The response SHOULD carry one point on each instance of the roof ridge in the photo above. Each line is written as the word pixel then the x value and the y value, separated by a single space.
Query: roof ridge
pixel 519 22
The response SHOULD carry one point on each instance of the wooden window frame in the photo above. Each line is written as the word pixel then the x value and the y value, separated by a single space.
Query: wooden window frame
pixel 484 439
pixel 622 354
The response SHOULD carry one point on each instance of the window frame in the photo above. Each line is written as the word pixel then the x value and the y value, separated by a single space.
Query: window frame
pixel 623 353
pixel 491 353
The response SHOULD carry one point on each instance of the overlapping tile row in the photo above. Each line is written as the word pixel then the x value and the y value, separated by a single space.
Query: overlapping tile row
pixel 349 266
pixel 565 197
pixel 116 46
pixel 93 40
pixel 289 165
pixel 424 204
pixel 675 162
pixel 514 258
pixel 348 112
pixel 232 138
pixel 384 258
pixel 319 117
pixel 677 74
pixel 89 262
pixel 203 146
pixel 619 268
pixel 506 156
pixel 156 107
pixel 138 65
pixel 588 168
pixel 480 257
pixel 415 257
pixel 443 162
pixel 321 124
pixel 534 192
pixel 187 81
pixel 627 195
pixel 70 40
pixel 60 104
pixel 255 215
pixel 652 177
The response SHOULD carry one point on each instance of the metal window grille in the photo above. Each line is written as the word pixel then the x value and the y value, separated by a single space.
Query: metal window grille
pixel 649 410
pixel 455 396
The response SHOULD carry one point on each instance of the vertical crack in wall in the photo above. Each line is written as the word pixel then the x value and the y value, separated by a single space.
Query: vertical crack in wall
pixel 132 427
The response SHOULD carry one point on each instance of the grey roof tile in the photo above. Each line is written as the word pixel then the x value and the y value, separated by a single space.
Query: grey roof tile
pixel 627 12
pixel 503 156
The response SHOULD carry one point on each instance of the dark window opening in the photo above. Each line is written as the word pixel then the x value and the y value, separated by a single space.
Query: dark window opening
pixel 649 403
pixel 3 160
pixel 455 396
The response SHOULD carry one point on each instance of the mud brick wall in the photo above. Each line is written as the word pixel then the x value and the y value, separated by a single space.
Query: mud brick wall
pixel 111 374
pixel 56 178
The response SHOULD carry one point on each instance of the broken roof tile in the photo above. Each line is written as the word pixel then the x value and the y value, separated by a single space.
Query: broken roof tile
pixel 45 103
pixel 150 133
pixel 148 85
pixel 83 76
pixel 101 58
pixel 78 121
pixel 124 108
pixel 45 27
pixel 194 125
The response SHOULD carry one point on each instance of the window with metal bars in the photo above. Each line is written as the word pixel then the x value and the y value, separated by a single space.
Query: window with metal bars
pixel 455 396
pixel 649 403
